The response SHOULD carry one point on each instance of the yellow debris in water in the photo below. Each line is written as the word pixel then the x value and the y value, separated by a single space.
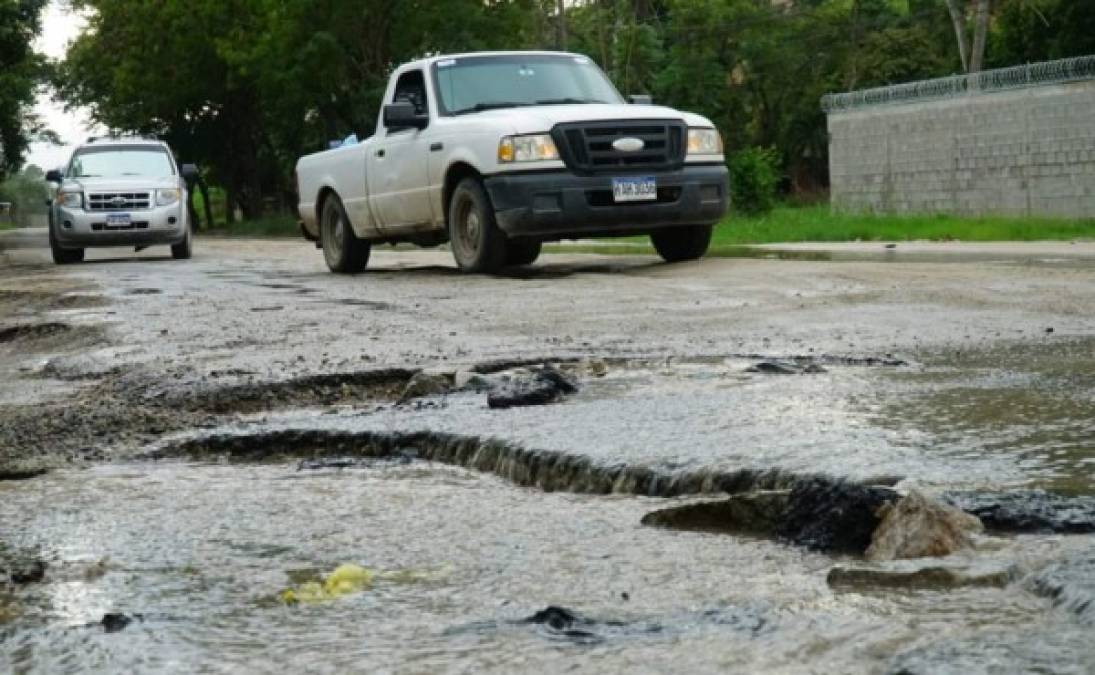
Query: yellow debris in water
pixel 345 579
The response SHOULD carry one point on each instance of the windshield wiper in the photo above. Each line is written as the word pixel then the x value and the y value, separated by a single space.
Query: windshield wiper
pixel 490 105
pixel 564 101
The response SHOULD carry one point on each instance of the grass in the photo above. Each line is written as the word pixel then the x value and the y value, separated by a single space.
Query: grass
pixel 787 224
pixel 817 223
pixel 268 226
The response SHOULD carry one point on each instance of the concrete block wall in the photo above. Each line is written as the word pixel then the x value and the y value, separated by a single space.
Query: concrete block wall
pixel 1018 152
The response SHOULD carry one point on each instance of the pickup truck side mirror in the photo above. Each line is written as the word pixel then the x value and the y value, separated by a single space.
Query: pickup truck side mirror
pixel 54 176
pixel 189 172
pixel 402 115
pixel 641 99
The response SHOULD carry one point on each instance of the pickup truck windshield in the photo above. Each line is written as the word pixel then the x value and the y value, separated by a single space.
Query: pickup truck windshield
pixel 475 83
pixel 121 161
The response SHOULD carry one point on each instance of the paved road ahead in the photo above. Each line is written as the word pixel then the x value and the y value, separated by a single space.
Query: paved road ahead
pixel 271 307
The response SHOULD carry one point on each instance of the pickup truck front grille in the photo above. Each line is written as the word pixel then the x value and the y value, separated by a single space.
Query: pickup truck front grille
pixel 587 147
pixel 118 201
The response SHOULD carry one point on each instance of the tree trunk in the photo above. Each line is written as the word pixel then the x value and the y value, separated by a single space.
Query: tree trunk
pixel 980 35
pixel 206 203
pixel 561 24
pixel 229 205
pixel 958 18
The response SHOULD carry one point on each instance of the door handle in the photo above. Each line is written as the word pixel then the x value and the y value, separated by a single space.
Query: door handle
pixel 437 147
pixel 380 152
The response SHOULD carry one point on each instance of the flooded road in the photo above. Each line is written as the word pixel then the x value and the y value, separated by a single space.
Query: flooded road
pixel 201 552
pixel 974 378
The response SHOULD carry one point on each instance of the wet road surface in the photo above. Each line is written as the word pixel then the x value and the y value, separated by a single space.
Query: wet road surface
pixel 943 369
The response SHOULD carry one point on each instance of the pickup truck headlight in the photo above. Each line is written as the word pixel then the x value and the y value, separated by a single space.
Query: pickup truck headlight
pixel 703 141
pixel 527 148
pixel 71 200
pixel 167 197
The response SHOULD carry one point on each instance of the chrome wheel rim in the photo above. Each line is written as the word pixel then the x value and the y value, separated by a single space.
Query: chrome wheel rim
pixel 332 235
pixel 469 227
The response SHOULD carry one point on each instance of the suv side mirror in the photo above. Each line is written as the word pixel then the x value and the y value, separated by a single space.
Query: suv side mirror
pixel 641 99
pixel 189 172
pixel 54 176
pixel 402 115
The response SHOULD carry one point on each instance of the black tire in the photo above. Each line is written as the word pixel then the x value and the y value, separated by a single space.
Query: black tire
pixel 64 256
pixel 185 248
pixel 477 243
pixel 522 252
pixel 682 243
pixel 343 251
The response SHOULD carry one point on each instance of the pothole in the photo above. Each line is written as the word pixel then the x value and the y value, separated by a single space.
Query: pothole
pixel 33 331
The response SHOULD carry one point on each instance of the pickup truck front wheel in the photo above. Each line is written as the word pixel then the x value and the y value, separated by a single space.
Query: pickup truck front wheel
pixel 520 252
pixel 477 243
pixel 343 251
pixel 682 243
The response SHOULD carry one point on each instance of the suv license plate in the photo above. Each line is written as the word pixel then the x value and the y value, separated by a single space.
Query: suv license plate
pixel 118 220
pixel 639 189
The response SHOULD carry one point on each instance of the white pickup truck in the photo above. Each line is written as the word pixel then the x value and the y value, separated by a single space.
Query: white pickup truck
pixel 498 152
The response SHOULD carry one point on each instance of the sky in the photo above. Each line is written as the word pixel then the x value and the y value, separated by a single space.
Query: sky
pixel 59 27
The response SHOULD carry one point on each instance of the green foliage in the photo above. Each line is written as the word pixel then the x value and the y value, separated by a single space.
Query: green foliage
pixel 27 192
pixel 244 87
pixel 1041 30
pixel 754 177
pixel 21 70
pixel 819 223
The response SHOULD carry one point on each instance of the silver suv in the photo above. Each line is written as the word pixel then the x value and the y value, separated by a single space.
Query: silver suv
pixel 120 191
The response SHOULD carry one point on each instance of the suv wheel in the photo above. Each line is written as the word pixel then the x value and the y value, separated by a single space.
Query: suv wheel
pixel 64 256
pixel 184 249
pixel 682 243
pixel 477 243
pixel 343 251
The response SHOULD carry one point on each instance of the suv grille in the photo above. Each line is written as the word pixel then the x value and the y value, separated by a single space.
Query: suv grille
pixel 118 201
pixel 587 146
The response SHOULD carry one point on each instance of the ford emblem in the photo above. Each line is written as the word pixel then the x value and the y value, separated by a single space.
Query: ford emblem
pixel 628 144
pixel 118 202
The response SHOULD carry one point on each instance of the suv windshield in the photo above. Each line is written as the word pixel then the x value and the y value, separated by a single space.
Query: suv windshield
pixel 475 83
pixel 115 160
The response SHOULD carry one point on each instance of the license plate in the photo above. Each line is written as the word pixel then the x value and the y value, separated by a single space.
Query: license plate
pixel 638 189
pixel 118 220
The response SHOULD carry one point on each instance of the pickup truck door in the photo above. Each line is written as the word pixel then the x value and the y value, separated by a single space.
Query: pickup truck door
pixel 398 162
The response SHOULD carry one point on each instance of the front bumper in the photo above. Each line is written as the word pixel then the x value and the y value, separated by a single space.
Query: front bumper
pixel 563 205
pixel 77 228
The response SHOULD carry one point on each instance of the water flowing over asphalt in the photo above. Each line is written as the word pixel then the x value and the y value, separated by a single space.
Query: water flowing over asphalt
pixel 250 406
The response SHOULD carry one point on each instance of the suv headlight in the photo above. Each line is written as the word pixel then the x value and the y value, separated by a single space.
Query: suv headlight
pixel 704 141
pixel 71 200
pixel 167 197
pixel 527 148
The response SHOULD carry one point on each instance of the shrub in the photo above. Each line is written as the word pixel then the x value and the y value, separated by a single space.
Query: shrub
pixel 754 175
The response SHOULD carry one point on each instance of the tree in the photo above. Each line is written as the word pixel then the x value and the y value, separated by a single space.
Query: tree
pixel 21 70
pixel 244 87
pixel 972 55
pixel 27 191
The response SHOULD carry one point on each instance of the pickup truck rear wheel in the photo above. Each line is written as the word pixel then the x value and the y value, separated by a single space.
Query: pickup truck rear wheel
pixel 522 252
pixel 682 243
pixel 477 243
pixel 343 251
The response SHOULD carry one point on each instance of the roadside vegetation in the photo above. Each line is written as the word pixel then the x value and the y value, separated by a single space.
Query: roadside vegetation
pixel 245 88
pixel 819 223
pixel 266 226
